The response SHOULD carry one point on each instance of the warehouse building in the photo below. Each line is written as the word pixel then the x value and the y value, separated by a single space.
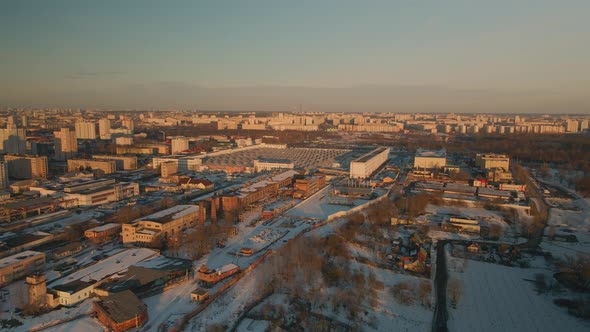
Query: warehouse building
pixel 429 159
pixel 489 161
pixel 19 265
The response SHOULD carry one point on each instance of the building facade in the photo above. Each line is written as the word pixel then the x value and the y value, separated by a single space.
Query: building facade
pixel 19 265
pixel 107 166
pixel 26 167
pixel 428 160
pixel 366 165
pixel 150 230
pixel 85 130
pixel 66 146
pixel 13 140
pixel 489 161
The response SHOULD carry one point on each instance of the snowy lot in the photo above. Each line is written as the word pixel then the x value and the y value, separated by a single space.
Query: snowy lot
pixel 498 298
pixel 317 206
pixel 569 222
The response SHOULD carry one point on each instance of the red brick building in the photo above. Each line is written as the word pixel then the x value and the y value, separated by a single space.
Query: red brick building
pixel 121 311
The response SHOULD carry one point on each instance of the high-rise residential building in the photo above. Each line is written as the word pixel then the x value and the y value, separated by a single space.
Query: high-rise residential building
pixel 86 130
pixel 104 128
pixel 179 144
pixel 571 126
pixel 25 121
pixel 26 167
pixel 3 174
pixel 66 146
pixel 10 121
pixel 583 125
pixel 13 140
pixel 128 123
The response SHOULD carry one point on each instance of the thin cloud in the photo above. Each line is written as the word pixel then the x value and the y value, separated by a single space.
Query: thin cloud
pixel 93 74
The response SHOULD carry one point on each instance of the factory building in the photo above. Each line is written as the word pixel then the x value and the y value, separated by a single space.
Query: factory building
pixel 366 165
pixel 489 161
pixel 149 230
pixel 428 159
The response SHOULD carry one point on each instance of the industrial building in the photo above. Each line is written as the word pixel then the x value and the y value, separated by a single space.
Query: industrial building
pixel 366 165
pixel 150 230
pixel 269 164
pixel 103 233
pixel 303 188
pixel 429 160
pixel 489 161
pixel 19 265
pixel 101 192
pixel 121 311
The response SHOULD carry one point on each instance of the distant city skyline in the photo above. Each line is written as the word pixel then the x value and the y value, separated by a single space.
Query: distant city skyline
pixel 370 56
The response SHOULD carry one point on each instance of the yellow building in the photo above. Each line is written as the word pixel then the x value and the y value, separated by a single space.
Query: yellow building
pixel 150 230
pixel 488 161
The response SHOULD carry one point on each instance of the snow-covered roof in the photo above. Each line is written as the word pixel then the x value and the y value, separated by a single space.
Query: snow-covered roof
pixel 6 261
pixel 109 266
pixel 104 227
pixel 172 213
pixel 227 268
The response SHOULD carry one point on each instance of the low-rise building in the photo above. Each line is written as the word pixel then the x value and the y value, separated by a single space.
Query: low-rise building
pixel 107 166
pixel 186 182
pixel 19 265
pixel 99 192
pixel 123 163
pixel 121 311
pixel 490 160
pixel 67 250
pixel 304 188
pixel 103 233
pixel 428 159
pixel 72 292
pixel 150 230
pixel 269 164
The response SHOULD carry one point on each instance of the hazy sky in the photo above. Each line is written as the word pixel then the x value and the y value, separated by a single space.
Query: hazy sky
pixel 508 56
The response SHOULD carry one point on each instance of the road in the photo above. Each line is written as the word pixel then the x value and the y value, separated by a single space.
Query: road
pixel 439 321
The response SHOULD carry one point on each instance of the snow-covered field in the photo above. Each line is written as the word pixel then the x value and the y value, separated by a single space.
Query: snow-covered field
pixel 498 298
pixel 569 222
pixel 317 206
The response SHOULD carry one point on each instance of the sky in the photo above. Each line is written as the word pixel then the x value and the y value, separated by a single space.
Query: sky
pixel 402 56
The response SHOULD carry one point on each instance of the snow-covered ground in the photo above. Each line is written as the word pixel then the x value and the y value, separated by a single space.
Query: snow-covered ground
pixel 499 298
pixel 317 206
pixel 575 221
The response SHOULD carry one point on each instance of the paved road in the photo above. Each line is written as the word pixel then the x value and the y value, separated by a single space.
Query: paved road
pixel 439 322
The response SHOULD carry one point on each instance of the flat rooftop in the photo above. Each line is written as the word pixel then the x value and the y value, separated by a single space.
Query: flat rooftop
pixel 170 214
pixel 370 155
pixel 300 157
pixel 6 261
pixel 442 153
